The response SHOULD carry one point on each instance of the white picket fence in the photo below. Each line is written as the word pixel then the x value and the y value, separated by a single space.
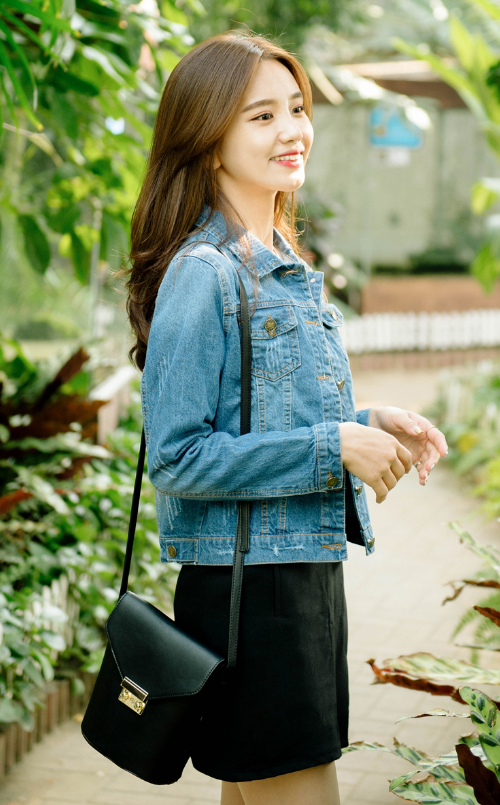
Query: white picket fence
pixel 57 596
pixel 397 332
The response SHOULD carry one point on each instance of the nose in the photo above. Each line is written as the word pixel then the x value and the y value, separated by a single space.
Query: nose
pixel 290 130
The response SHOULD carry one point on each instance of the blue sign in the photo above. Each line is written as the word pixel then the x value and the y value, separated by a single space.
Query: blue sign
pixel 389 126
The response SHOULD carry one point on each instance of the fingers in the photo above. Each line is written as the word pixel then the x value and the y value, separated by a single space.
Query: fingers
pixel 399 469
pixel 389 479
pixel 430 432
pixel 437 439
pixel 405 457
pixel 427 460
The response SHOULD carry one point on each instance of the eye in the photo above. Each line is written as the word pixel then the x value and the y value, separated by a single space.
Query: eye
pixel 262 116
pixel 301 108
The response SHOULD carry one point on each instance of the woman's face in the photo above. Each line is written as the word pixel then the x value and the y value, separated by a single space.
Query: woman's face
pixel 270 123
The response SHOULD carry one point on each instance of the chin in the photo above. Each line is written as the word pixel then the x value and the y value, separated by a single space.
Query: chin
pixel 293 186
pixel 290 185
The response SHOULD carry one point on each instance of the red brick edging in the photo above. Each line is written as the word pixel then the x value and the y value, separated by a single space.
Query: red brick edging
pixel 424 359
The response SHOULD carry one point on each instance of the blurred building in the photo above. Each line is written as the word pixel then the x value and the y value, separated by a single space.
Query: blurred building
pixel 405 192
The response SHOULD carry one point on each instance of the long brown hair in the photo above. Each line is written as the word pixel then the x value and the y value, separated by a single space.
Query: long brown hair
pixel 200 98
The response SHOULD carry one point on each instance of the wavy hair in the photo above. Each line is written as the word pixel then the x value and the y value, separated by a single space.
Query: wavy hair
pixel 199 101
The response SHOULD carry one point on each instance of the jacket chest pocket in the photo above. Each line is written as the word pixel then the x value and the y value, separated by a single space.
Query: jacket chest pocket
pixel 275 342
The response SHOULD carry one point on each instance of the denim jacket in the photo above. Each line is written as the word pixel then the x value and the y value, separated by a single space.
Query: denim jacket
pixel 290 465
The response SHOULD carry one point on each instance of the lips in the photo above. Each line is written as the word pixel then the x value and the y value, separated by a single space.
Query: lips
pixel 287 154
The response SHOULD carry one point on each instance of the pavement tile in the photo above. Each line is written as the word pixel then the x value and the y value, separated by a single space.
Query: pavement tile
pixel 73 786
pixel 199 792
pixel 124 798
pixel 206 789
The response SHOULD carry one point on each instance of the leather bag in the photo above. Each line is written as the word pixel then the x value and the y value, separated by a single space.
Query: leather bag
pixel 155 680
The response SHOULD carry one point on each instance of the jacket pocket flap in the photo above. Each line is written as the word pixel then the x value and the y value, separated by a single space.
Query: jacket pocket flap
pixel 332 316
pixel 268 322
pixel 154 653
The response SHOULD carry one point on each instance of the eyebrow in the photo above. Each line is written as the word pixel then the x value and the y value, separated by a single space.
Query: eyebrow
pixel 267 101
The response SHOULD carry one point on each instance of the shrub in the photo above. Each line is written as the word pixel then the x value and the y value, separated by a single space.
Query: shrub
pixel 64 511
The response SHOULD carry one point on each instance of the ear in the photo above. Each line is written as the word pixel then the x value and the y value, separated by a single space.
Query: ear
pixel 216 163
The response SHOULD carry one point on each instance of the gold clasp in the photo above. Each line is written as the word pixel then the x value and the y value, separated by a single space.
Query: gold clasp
pixel 133 696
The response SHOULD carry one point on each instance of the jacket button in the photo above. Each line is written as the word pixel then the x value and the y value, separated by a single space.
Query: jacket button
pixel 371 542
pixel 172 551
pixel 340 385
pixel 270 325
pixel 359 489
pixel 332 481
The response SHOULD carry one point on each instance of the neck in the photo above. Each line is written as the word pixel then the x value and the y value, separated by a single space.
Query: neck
pixel 255 208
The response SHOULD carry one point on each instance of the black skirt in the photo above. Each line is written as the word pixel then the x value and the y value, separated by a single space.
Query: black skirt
pixel 288 708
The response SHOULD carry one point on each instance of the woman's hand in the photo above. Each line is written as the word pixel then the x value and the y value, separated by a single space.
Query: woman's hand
pixel 377 458
pixel 424 440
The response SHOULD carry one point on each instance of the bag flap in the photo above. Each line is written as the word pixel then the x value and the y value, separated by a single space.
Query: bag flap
pixel 154 653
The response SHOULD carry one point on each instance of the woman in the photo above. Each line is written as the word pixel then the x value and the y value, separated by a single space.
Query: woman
pixel 231 140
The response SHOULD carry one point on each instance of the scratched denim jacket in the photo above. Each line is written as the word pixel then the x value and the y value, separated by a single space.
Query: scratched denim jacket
pixel 290 465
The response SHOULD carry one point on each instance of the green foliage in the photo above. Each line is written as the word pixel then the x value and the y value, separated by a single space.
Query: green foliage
pixel 467 409
pixel 286 21
pixel 486 717
pixel 476 78
pixel 64 512
pixel 471 774
pixel 443 780
pixel 79 86
pixel 46 327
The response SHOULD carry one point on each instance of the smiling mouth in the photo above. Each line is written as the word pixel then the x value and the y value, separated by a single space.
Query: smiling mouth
pixel 290 160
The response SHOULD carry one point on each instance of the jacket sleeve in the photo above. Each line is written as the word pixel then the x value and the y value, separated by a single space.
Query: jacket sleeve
pixel 363 416
pixel 180 393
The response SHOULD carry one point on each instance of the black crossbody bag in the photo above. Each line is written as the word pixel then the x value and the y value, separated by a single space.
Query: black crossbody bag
pixel 155 681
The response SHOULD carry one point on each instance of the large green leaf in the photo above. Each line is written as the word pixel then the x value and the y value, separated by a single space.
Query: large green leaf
pixel 491 9
pixel 488 554
pixel 103 60
pixel 443 767
pixel 486 718
pixel 65 80
pixel 9 711
pixel 415 756
pixel 453 76
pixel 18 23
pixel 36 244
pixel 51 20
pixel 434 793
pixel 423 665
pixel 486 267
pixel 81 258
pixel 21 95
pixel 484 194
pixel 19 52
pixel 437 711
pixel 482 780
pixel 463 43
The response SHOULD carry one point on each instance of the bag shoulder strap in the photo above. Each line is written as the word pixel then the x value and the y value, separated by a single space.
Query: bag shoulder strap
pixel 242 542
pixel 133 514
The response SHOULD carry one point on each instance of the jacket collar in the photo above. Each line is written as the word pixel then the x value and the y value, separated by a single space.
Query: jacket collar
pixel 214 230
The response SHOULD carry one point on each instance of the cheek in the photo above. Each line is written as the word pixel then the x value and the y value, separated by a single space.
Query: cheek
pixel 308 136
pixel 238 152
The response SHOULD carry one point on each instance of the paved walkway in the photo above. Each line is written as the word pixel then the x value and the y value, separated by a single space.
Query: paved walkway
pixel 394 602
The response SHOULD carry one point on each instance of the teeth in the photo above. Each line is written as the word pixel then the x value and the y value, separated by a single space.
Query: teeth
pixel 288 158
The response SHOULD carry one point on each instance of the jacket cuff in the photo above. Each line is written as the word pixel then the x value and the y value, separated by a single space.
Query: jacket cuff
pixel 330 467
pixel 363 416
